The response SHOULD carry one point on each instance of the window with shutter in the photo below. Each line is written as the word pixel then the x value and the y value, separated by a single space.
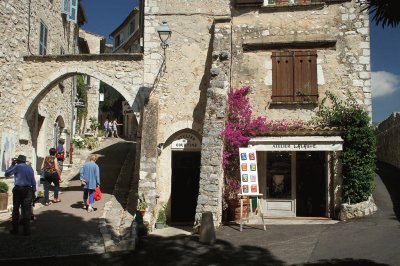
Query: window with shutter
pixel 294 76
pixel 43 39
pixel 73 11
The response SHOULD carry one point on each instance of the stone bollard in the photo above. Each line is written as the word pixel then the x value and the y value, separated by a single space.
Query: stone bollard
pixel 207 230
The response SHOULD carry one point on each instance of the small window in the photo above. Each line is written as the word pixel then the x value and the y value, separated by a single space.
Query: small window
pixel 43 39
pixel 62 51
pixel 294 76
pixel 131 27
pixel 118 40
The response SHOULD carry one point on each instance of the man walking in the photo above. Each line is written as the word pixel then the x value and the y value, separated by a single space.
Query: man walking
pixel 23 191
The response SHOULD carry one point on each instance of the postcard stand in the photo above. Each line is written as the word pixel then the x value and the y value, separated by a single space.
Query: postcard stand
pixel 259 208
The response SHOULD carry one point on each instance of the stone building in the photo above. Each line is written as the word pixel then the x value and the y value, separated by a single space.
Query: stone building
pixel 126 37
pixel 290 53
pixel 388 140
pixel 36 28
pixel 91 43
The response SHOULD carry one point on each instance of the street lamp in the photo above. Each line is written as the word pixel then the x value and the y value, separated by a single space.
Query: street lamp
pixel 164 32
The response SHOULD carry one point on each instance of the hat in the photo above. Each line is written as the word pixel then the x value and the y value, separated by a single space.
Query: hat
pixel 21 158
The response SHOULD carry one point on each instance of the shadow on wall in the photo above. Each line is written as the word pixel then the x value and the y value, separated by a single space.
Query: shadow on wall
pixel 390 177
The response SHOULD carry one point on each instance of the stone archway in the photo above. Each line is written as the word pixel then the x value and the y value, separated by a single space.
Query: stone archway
pixel 122 72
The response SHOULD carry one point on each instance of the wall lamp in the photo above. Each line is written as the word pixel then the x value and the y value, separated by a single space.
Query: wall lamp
pixel 164 32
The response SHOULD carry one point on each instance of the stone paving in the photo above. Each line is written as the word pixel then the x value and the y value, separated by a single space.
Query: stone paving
pixel 81 232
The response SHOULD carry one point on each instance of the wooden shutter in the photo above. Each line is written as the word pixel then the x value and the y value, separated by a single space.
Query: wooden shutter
pixel 305 76
pixel 282 77
pixel 73 11
pixel 65 6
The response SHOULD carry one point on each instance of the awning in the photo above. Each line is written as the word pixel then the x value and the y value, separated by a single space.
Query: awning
pixel 297 143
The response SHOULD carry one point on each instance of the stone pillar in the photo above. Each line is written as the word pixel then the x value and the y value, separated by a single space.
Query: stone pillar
pixel 211 172
pixel 148 158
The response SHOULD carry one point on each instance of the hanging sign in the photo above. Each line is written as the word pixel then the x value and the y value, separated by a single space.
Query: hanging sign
pixel 186 142
pixel 248 171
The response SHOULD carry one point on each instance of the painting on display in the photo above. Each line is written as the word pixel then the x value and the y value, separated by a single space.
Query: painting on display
pixel 7 150
pixel 248 171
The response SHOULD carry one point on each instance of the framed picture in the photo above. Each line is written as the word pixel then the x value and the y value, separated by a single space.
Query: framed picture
pixel 244 166
pixel 243 156
pixel 253 167
pixel 252 156
pixel 245 178
pixel 245 188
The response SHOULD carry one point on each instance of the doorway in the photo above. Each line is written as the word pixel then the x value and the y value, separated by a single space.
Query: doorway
pixel 184 186
pixel 311 184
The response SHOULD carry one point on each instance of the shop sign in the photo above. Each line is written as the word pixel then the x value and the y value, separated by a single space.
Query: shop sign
pixel 307 143
pixel 186 142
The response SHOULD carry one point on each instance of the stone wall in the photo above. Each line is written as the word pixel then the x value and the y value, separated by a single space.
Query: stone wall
pixel 179 76
pixel 343 66
pixel 206 51
pixel 388 140
pixel 20 37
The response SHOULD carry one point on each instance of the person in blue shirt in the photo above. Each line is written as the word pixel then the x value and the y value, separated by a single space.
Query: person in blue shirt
pixel 60 154
pixel 90 179
pixel 23 191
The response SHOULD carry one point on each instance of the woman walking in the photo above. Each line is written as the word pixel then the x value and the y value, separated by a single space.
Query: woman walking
pixel 52 174
pixel 90 179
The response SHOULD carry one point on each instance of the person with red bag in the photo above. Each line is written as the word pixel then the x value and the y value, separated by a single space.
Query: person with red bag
pixel 90 180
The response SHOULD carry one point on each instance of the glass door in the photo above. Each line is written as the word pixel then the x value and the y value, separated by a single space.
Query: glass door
pixel 280 195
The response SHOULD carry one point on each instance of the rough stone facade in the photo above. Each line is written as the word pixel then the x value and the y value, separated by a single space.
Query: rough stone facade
pixel 214 46
pixel 388 140
pixel 343 67
pixel 20 35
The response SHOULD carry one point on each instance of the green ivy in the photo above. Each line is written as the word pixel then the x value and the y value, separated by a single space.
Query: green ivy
pixel 359 148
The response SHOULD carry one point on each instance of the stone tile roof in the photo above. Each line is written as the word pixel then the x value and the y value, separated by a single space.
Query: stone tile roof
pixel 305 131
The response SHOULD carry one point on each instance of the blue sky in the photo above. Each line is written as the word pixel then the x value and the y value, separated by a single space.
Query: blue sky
pixel 105 15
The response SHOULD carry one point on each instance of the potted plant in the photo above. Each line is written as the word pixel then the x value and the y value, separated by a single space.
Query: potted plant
pixel 232 200
pixel 162 217
pixel 3 196
pixel 142 205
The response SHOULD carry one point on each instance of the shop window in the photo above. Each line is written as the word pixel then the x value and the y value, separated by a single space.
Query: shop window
pixel 294 76
pixel 279 175
pixel 43 39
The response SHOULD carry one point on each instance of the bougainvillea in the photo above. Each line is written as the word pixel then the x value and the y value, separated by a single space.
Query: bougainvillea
pixel 240 127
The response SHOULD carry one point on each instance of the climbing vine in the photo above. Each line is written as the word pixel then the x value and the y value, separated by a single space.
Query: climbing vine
pixel 359 148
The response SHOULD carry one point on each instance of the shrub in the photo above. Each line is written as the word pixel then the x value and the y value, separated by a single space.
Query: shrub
pixel 3 187
pixel 359 148
pixel 162 216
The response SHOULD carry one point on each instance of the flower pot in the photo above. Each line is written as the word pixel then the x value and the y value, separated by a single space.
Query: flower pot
pixel 160 225
pixel 3 201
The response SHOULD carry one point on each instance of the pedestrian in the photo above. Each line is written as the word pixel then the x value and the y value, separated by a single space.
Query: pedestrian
pixel 52 174
pixel 115 129
pixel 23 191
pixel 106 128
pixel 60 154
pixel 90 179
pixel 111 128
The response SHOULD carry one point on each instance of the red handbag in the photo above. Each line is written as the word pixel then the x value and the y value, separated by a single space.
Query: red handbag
pixel 97 194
